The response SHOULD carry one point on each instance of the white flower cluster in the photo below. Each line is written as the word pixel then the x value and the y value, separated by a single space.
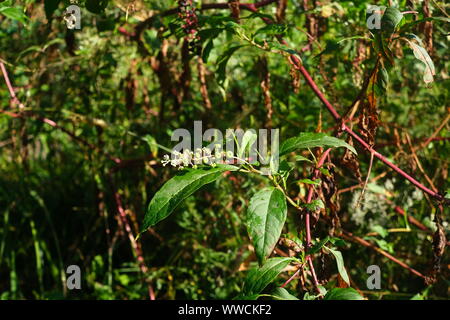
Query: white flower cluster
pixel 193 159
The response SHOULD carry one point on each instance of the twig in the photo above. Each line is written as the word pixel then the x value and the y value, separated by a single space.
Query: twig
pixel 365 182
pixel 360 185
pixel 419 164
pixel 364 144
pixel 435 133
pixel 12 93
pixel 135 245
pixel 308 217
pixel 292 277
pixel 295 61
pixel 62 129
pixel 350 236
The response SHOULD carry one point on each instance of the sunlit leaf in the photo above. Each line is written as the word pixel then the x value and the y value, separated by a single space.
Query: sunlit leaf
pixel 181 186
pixel 258 279
pixel 313 140
pixel 266 216
pixel 343 294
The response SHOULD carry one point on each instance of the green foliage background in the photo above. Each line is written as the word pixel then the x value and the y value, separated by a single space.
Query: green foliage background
pixel 113 97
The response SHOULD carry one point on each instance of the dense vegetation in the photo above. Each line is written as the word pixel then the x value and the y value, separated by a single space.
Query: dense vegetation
pixel 87 117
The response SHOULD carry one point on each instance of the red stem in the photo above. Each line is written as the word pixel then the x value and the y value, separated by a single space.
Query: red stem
pixel 366 146
pixel 363 242
pixel 294 60
pixel 134 244
pixel 12 93
pixel 308 217
pixel 292 277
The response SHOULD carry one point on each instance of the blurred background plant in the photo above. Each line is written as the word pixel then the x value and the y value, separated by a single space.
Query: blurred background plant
pixel 80 154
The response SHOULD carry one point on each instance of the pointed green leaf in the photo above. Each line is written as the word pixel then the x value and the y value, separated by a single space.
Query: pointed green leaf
pixel 318 246
pixel 390 20
pixel 222 62
pixel 343 294
pixel 421 54
pixel 411 24
pixel 312 140
pixel 272 29
pixel 258 279
pixel 174 191
pixel 266 216
pixel 340 265
pixel 382 81
pixel 282 294
pixel 14 14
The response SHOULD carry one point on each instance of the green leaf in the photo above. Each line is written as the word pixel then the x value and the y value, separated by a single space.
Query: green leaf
pixel 266 216
pixel 248 140
pixel 309 181
pixel 152 144
pixel 314 205
pixel 340 265
pixel 380 230
pixel 181 186
pixel 447 194
pixel 343 294
pixel 210 33
pixel 418 296
pixel 50 7
pixel 382 81
pixel 316 248
pixel 381 46
pixel 302 158
pixel 207 50
pixel 312 140
pixel 409 25
pixel 235 28
pixel 421 54
pixel 282 47
pixel 258 279
pixel 282 294
pixel 222 62
pixel 421 295
pixel 272 29
pixel 14 14
pixel 390 20
pixel 322 293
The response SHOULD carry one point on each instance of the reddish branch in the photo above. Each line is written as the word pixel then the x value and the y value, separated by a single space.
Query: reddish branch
pixel 355 136
pixel 135 245
pixel 350 236
pixel 412 220
pixel 308 217
pixel 435 133
pixel 292 277
pixel 62 129
pixel 295 61
pixel 297 64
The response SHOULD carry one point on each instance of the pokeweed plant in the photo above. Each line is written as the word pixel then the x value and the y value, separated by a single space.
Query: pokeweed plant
pixel 215 38
pixel 267 209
